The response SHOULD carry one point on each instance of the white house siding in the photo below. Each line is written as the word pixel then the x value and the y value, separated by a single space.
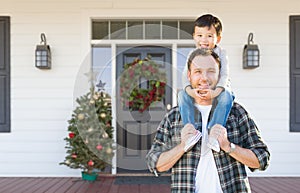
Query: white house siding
pixel 42 100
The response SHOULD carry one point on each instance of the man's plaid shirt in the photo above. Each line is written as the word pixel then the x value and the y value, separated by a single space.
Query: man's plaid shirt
pixel 241 131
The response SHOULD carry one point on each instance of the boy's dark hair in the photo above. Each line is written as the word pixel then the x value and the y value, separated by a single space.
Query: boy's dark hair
pixel 209 20
pixel 203 52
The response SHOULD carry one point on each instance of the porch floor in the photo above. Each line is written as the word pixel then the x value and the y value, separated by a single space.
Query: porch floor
pixel 105 184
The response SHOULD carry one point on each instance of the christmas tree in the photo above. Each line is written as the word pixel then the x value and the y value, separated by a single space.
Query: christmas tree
pixel 89 142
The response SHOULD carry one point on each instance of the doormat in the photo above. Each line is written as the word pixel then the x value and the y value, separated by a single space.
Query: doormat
pixel 142 180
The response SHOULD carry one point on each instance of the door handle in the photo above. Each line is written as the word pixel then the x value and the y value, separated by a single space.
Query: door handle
pixel 169 107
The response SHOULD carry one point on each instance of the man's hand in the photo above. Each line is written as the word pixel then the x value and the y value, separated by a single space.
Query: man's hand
pixel 220 133
pixel 187 131
pixel 243 155
pixel 167 159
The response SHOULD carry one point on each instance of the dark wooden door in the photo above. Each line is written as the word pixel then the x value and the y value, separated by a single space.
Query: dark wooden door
pixel 135 131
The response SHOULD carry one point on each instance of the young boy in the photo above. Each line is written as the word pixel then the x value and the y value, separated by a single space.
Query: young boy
pixel 207 34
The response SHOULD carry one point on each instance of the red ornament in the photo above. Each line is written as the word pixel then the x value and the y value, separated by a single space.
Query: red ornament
pixel 90 163
pixel 99 147
pixel 74 156
pixel 71 135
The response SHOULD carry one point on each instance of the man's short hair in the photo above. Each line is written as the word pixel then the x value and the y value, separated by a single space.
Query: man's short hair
pixel 203 52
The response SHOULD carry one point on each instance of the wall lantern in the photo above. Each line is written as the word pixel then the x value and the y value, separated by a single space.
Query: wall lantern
pixel 250 54
pixel 43 54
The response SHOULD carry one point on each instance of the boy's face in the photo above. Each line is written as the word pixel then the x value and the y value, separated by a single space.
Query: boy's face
pixel 205 37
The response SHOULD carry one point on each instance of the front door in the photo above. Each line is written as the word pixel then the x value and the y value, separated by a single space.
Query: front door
pixel 135 130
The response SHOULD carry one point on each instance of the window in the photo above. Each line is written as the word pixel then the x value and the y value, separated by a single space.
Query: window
pixel 102 66
pixel 182 54
pixel 295 73
pixel 142 29
pixel 4 74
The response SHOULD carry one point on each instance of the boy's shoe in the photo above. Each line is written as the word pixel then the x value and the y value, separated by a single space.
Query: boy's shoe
pixel 213 144
pixel 192 141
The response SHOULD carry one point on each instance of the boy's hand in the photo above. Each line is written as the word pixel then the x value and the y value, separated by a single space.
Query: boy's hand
pixel 202 93
pixel 205 94
pixel 196 93
pixel 192 92
pixel 208 94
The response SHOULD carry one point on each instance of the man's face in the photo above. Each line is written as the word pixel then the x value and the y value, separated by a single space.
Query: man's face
pixel 205 37
pixel 204 72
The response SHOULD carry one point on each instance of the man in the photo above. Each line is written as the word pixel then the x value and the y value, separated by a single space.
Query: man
pixel 201 169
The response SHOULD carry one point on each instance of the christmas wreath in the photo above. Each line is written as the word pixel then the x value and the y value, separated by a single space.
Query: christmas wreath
pixel 135 96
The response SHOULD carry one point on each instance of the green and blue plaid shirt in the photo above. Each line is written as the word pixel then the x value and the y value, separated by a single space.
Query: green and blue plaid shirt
pixel 241 131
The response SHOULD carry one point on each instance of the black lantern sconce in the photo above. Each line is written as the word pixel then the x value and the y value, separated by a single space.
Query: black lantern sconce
pixel 250 54
pixel 43 54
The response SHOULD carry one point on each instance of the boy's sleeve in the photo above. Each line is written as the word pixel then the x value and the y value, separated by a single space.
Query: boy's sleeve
pixel 185 80
pixel 224 71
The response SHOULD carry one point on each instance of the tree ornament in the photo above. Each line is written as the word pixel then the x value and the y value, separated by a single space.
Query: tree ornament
pixel 90 163
pixel 105 135
pixel 99 147
pixel 96 96
pixel 80 116
pixel 109 150
pixel 102 115
pixel 100 86
pixel 74 156
pixel 71 135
